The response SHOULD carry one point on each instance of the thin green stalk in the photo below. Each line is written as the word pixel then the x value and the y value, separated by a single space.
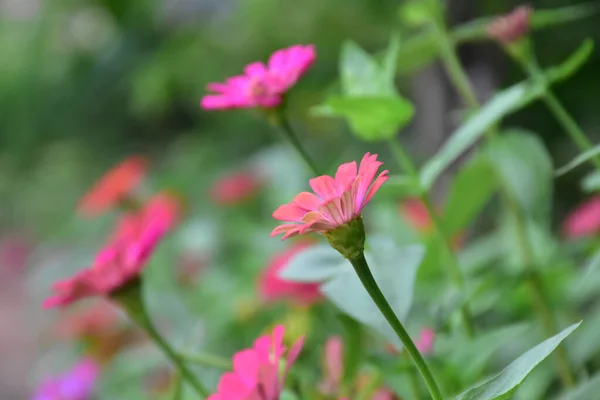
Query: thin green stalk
pixel 144 321
pixel 281 121
pixel 456 273
pixel 460 80
pixel 207 360
pixel 577 135
pixel 177 390
pixel 366 277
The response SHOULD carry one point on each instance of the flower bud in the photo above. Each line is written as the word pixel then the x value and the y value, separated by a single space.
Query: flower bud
pixel 511 27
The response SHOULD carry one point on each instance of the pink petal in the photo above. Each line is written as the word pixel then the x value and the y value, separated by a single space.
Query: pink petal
pixel 285 228
pixel 246 364
pixel 307 201
pixel 293 354
pixel 345 176
pixel 376 185
pixel 324 187
pixel 289 212
pixel 255 70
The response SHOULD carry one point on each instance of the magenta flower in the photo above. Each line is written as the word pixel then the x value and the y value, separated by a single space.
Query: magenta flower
pixel 256 371
pixel 273 288
pixel 77 384
pixel 123 259
pixel 235 188
pixel 337 201
pixel 585 220
pixel 425 341
pixel 261 85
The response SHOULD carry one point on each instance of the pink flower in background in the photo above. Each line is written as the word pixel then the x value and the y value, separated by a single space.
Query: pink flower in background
pixel 273 288
pixel 585 220
pixel 425 341
pixel 337 200
pixel 415 212
pixel 384 394
pixel 235 188
pixel 99 319
pixel 333 366
pixel 511 27
pixel 261 85
pixel 15 249
pixel 77 384
pixel 122 260
pixel 114 187
pixel 257 372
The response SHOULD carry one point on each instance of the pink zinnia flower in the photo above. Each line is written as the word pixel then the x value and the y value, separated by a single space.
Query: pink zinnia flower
pixel 256 371
pixel 416 214
pixel 262 85
pixel 114 187
pixel 511 27
pixel 273 288
pixel 337 201
pixel 333 366
pixel 77 384
pixel 235 188
pixel 123 259
pixel 585 220
pixel 425 341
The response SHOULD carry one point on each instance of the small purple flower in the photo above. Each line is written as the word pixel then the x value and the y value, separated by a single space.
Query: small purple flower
pixel 77 384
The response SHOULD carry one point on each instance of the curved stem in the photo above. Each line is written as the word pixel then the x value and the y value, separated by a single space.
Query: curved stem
pixel 207 360
pixel 285 127
pixel 456 273
pixel 461 81
pixel 366 277
pixel 144 321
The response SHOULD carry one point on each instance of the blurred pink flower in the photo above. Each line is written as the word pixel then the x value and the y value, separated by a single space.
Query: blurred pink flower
pixel 122 260
pixel 384 394
pixel 261 85
pixel 511 27
pixel 425 341
pixel 416 214
pixel 77 384
pixel 15 249
pixel 584 221
pixel 257 371
pixel 337 201
pixel 98 319
pixel 235 188
pixel 333 366
pixel 273 288
pixel 114 187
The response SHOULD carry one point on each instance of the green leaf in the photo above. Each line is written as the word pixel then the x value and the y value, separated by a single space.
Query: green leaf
pixel 585 391
pixel 577 161
pixel 394 269
pixel 523 163
pixel 573 63
pixel 503 385
pixel 587 346
pixel 481 252
pixel 398 187
pixel 362 75
pixel 502 104
pixel 314 264
pixel 373 118
pixel 591 182
pixel 470 192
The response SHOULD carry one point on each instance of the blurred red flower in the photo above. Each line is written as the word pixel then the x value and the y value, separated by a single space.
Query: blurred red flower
pixel 114 187
pixel 235 188
pixel 273 288
pixel 583 221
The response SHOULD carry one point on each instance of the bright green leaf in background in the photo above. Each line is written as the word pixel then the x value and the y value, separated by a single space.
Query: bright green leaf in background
pixel 503 385
pixel 369 100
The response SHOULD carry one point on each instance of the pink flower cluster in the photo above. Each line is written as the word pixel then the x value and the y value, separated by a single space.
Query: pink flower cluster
pixel 77 384
pixel 585 220
pixel 273 288
pixel 337 200
pixel 256 371
pixel 126 254
pixel 262 85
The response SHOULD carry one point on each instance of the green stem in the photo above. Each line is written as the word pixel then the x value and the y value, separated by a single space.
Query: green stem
pixel 456 273
pixel 366 277
pixel 569 125
pixel 281 121
pixel 461 81
pixel 207 360
pixel 131 299
pixel 177 390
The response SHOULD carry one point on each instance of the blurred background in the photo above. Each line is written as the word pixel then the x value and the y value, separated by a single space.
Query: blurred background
pixel 84 84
